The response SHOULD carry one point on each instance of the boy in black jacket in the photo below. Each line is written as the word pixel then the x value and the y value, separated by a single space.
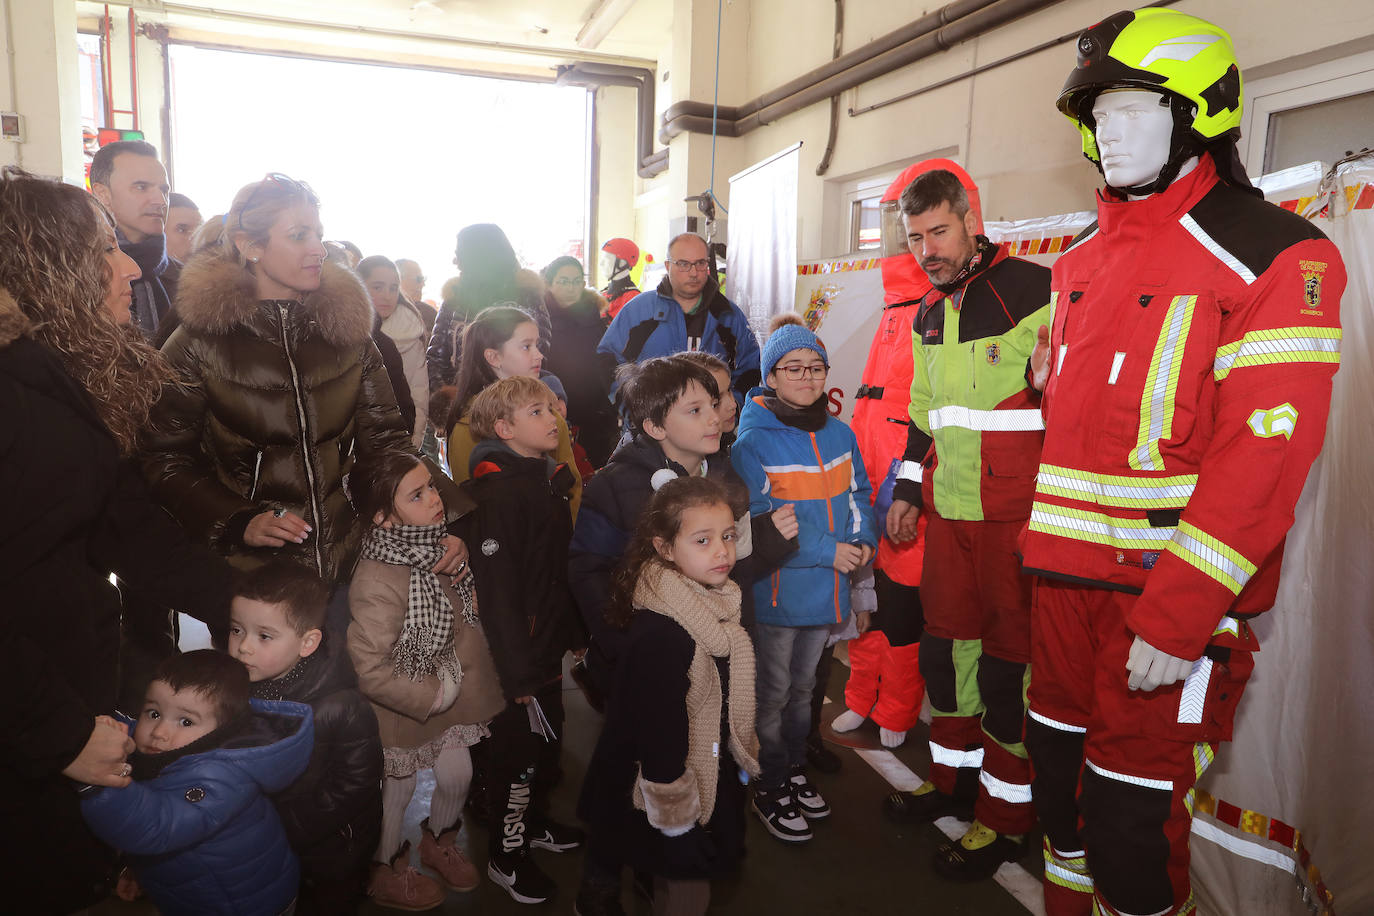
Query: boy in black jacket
pixel 518 537
pixel 333 812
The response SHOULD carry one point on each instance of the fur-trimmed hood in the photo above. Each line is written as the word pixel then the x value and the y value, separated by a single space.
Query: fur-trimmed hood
pixel 216 295
pixel 14 324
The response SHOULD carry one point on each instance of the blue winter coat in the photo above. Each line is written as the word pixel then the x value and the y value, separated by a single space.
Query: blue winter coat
pixel 821 475
pixel 652 324
pixel 202 835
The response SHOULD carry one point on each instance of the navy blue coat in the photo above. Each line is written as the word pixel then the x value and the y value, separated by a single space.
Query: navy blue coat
pixel 202 835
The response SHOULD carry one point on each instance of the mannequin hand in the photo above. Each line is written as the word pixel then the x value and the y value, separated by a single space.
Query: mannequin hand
pixel 901 521
pixel 785 520
pixel 268 529
pixel 1040 359
pixel 102 761
pixel 1151 668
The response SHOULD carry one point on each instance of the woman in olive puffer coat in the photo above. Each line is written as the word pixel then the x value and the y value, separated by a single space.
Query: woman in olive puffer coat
pixel 285 387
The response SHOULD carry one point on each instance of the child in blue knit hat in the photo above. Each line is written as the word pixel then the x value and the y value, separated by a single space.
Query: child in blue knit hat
pixel 790 450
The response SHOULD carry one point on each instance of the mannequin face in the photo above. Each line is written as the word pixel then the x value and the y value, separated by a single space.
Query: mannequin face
pixel 1133 134
pixel 606 266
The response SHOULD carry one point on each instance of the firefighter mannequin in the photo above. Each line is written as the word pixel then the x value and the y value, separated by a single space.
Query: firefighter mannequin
pixel 968 468
pixel 623 266
pixel 885 681
pixel 1186 372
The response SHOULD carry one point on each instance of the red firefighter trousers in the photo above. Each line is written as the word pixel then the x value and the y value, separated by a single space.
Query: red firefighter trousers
pixel 974 656
pixel 1115 768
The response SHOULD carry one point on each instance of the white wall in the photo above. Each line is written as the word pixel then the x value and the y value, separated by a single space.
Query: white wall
pixel 39 80
pixel 1003 124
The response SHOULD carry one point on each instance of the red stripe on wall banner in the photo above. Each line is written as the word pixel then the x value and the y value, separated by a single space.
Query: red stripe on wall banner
pixel 1366 199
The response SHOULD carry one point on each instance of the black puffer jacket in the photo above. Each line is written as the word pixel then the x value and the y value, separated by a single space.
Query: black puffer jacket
pixel 586 377
pixel 280 397
pixel 74 513
pixel 446 340
pixel 518 537
pixel 333 812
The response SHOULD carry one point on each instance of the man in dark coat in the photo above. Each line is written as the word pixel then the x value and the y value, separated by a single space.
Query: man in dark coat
pixel 128 179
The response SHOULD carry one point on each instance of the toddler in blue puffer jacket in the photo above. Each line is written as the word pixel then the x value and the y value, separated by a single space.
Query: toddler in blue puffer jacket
pixel 196 823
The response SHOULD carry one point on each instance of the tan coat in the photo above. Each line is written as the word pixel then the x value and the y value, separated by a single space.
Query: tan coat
pixel 377 598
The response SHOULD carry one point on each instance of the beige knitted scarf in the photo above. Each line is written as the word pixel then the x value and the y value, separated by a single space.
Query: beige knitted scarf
pixel 711 617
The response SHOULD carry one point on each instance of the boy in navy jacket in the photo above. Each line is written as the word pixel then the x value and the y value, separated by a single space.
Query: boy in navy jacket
pixel 196 822
pixel 790 450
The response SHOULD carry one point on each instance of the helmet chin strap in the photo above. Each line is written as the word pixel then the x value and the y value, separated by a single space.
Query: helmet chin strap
pixel 1183 145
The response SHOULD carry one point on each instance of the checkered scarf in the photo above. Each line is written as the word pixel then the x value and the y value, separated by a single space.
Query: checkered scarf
pixel 426 641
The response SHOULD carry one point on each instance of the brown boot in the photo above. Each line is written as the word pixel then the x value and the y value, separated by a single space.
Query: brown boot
pixel 396 884
pixel 442 854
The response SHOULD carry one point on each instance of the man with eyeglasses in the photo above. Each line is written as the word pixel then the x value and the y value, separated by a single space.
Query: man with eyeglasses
pixel 688 311
pixel 973 446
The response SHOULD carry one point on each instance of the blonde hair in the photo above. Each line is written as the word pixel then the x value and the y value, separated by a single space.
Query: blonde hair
pixel 255 209
pixel 208 234
pixel 500 400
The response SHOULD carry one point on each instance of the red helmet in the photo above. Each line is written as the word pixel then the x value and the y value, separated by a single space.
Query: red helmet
pixel 624 250
pixel 903 278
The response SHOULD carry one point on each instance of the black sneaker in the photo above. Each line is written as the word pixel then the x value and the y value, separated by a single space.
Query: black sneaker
pixel 780 814
pixel 808 800
pixel 555 837
pixel 820 757
pixel 924 805
pixel 521 878
pixel 597 901
pixel 977 854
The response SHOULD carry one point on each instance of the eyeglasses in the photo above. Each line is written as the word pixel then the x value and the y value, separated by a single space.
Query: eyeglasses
pixel 277 178
pixel 796 373
pixel 691 266
pixel 568 281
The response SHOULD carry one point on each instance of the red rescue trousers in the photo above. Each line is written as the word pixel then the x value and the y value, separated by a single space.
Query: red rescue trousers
pixel 884 682
pixel 1114 767
pixel 974 656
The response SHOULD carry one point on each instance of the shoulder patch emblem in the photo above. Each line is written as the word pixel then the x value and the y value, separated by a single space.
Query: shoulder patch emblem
pixel 1276 421
pixel 994 353
pixel 1312 274
pixel 489 547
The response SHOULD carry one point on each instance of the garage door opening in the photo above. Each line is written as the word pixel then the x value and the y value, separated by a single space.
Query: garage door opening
pixel 401 159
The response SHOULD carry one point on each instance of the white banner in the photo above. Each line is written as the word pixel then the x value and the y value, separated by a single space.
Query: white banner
pixel 761 253
pixel 841 300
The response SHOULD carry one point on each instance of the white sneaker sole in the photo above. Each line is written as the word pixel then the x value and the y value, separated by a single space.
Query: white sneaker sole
pixel 811 815
pixel 508 883
pixel 785 837
pixel 551 846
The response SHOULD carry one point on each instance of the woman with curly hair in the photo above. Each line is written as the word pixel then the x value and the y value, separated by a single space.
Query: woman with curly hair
pixel 76 386
pixel 284 387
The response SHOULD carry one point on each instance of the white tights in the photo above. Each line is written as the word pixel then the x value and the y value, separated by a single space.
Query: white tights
pixel 452 777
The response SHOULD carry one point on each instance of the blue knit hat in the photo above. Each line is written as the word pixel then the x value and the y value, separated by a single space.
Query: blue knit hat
pixel 784 340
pixel 555 384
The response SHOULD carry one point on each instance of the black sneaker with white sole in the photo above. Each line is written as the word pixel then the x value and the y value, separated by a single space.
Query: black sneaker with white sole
pixel 555 837
pixel 780 815
pixel 808 800
pixel 521 878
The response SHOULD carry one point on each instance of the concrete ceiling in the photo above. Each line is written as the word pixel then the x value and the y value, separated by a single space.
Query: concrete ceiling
pixel 520 33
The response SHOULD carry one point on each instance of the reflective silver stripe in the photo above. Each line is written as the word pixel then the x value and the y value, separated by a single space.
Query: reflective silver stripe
pixel 1097 528
pixel 1025 420
pixel 1196 231
pixel 1084 240
pixel 944 756
pixel 911 470
pixel 1057 725
pixel 1228 625
pixel 1164 785
pixel 1072 877
pixel 1117 360
pixel 1014 793
pixel 1257 351
pixel 1195 692
pixel 1059 365
pixel 1161 385
pixel 1223 563
pixel 1112 490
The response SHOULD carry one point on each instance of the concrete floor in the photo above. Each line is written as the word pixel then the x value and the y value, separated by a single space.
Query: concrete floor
pixel 857 865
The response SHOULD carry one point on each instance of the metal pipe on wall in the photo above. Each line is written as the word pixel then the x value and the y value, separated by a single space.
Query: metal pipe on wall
pixel 595 75
pixel 928 35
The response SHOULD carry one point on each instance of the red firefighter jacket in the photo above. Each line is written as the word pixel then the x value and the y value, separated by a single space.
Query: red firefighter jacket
pixel 1194 337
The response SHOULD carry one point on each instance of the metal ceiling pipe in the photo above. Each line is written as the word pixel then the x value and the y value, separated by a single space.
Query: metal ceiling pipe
pixel 816 87
pixel 594 75
pixel 895 39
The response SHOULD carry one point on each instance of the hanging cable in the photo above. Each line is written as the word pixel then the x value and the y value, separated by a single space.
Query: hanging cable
pixel 715 108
